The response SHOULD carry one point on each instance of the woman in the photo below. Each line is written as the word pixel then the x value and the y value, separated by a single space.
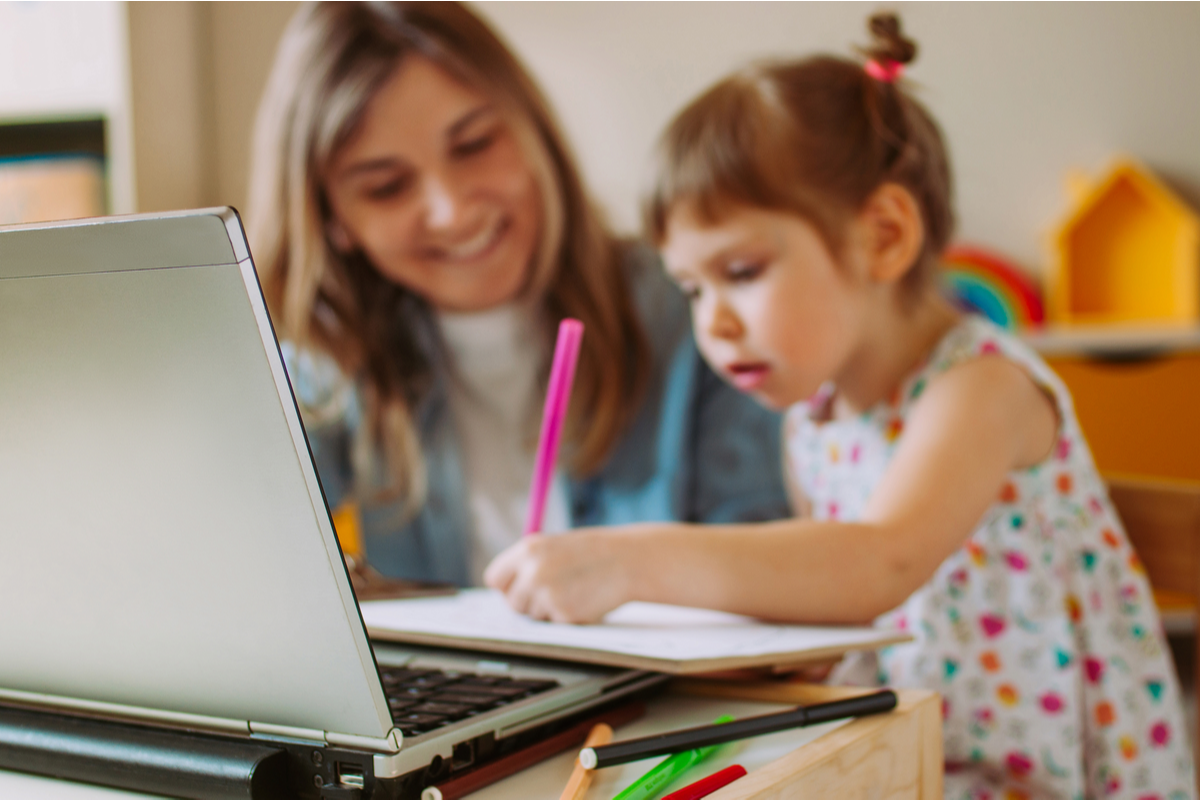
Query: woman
pixel 420 229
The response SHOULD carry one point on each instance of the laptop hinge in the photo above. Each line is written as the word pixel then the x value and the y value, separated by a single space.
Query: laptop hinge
pixel 391 744
pixel 263 730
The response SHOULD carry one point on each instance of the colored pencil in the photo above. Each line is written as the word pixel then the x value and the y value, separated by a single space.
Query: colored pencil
pixel 558 397
pixel 668 771
pixel 498 769
pixel 706 786
pixel 705 735
pixel 581 778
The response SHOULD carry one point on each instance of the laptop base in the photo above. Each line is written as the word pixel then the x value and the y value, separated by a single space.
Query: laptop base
pixel 176 763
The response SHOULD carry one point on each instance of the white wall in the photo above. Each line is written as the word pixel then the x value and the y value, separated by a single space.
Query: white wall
pixel 172 105
pixel 69 59
pixel 1024 91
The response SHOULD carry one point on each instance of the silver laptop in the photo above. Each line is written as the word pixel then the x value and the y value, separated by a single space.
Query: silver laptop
pixel 169 569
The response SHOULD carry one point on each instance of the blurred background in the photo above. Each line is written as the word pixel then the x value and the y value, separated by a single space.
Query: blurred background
pixel 1026 92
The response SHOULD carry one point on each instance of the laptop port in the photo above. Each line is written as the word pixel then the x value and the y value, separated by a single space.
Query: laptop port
pixel 464 756
pixel 351 775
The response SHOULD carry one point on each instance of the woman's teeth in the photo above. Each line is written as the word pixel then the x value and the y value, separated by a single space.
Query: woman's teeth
pixel 476 245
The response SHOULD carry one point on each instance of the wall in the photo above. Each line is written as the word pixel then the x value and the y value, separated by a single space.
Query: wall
pixel 172 105
pixel 1024 91
pixel 197 73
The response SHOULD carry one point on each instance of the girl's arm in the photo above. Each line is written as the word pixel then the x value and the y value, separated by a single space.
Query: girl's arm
pixel 972 426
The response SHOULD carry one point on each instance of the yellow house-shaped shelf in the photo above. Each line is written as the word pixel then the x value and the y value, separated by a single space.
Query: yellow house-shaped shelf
pixel 1129 252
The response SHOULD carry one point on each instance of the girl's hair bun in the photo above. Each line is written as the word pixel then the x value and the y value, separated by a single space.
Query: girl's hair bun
pixel 889 43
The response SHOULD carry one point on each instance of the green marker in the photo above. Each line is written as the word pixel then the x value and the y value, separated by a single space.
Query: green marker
pixel 649 785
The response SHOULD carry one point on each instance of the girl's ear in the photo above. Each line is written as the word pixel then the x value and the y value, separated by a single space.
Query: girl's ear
pixel 894 230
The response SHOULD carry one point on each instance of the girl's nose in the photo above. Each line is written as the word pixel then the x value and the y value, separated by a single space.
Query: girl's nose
pixel 723 320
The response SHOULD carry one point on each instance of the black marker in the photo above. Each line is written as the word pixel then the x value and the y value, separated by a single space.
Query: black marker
pixel 705 735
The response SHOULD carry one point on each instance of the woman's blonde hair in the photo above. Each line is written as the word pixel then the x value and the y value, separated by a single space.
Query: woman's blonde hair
pixel 332 59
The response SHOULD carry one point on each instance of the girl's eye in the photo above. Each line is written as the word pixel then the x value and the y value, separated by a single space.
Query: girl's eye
pixel 474 145
pixel 389 189
pixel 743 271
pixel 691 291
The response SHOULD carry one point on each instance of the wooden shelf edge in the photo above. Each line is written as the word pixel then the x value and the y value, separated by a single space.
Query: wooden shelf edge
pixel 894 755
pixel 1116 340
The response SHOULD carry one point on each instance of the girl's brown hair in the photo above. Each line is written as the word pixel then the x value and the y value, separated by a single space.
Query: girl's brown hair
pixel 814 137
pixel 332 59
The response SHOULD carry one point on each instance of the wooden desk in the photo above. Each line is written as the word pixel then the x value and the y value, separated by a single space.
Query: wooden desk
pixel 896 756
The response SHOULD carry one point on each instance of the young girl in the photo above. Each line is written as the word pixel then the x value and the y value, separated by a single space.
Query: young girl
pixel 944 485
pixel 420 229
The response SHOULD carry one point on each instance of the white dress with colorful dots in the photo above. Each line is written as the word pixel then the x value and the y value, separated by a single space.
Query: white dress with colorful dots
pixel 1040 633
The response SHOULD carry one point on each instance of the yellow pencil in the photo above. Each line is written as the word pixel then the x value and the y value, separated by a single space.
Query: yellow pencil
pixel 582 778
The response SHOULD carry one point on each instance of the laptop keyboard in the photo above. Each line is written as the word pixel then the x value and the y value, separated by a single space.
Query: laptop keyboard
pixel 425 699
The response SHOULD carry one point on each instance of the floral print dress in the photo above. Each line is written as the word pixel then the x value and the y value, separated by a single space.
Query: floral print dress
pixel 1040 633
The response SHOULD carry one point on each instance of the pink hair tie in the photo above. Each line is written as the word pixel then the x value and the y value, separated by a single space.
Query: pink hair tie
pixel 886 71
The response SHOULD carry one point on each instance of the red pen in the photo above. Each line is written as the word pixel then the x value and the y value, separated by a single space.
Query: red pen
pixel 706 786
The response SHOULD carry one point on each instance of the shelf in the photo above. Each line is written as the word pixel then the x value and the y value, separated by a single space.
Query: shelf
pixel 1178 612
pixel 64 87
pixel 1114 342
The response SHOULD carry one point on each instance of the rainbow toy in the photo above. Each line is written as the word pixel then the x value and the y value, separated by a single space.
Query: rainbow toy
pixel 979 281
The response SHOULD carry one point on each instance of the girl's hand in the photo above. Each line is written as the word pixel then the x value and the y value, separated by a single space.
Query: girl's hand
pixel 575 577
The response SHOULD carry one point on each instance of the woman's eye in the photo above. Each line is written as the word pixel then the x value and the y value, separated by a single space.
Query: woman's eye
pixel 691 291
pixel 388 189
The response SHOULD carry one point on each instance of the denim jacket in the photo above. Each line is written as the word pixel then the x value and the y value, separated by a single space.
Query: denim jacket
pixel 697 451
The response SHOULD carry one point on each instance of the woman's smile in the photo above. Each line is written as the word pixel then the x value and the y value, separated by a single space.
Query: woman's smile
pixel 473 247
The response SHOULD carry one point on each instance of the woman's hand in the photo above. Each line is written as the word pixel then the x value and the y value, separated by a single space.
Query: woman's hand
pixel 575 577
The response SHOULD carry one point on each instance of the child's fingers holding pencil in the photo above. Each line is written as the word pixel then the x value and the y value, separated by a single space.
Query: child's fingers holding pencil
pixel 502 571
pixel 575 578
pixel 581 778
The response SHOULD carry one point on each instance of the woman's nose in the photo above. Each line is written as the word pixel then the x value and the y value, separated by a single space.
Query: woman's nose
pixel 443 203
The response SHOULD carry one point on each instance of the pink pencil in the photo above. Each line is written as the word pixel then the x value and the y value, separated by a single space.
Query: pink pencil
pixel 558 396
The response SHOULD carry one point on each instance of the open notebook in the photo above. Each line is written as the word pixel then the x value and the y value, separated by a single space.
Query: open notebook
pixel 637 635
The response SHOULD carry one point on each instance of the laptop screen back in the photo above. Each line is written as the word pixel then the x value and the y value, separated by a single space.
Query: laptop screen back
pixel 165 542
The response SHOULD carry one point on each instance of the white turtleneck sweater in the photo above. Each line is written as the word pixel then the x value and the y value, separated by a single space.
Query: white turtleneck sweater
pixel 497 407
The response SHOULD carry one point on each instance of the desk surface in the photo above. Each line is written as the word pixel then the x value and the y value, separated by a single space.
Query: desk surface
pixel 667 713
pixel 897 754
pixel 32 787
